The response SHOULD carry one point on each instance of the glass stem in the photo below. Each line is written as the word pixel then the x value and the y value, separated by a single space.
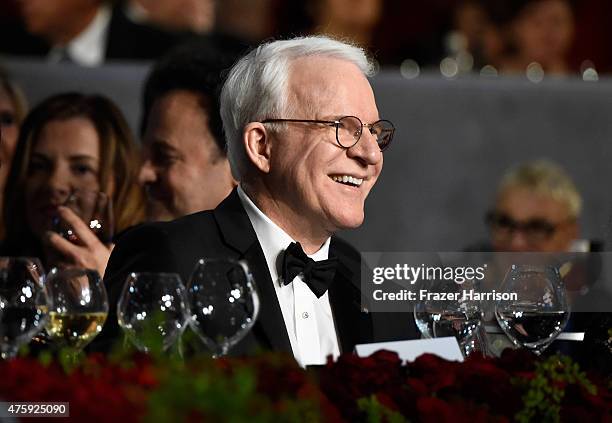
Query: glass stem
pixel 8 352
pixel 221 351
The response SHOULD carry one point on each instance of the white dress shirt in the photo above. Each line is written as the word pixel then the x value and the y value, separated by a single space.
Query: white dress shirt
pixel 87 48
pixel 308 319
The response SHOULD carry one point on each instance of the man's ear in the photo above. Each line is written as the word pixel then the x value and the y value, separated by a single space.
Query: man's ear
pixel 257 145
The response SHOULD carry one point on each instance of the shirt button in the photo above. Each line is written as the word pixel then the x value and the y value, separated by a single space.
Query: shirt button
pixel 304 315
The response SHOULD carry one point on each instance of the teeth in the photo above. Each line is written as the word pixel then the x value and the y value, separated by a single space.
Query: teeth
pixel 347 179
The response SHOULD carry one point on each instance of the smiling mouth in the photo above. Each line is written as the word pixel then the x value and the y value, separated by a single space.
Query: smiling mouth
pixel 347 180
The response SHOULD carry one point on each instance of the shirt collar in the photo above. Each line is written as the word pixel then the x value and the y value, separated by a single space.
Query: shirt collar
pixel 88 48
pixel 272 238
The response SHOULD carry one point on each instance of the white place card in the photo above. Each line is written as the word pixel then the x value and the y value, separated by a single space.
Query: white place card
pixel 447 348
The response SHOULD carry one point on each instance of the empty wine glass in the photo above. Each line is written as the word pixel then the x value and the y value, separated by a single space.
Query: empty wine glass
pixel 25 307
pixel 78 306
pixel 223 303
pixel 455 314
pixel 541 310
pixel 94 207
pixel 2 305
pixel 152 310
pixel 423 312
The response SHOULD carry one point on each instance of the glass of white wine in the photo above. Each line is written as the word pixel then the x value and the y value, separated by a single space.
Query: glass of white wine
pixel 78 307
pixel 24 312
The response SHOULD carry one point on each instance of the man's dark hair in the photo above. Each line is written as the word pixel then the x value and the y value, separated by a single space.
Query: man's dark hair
pixel 199 67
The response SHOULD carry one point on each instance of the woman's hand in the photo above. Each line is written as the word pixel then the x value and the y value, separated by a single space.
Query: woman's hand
pixel 87 251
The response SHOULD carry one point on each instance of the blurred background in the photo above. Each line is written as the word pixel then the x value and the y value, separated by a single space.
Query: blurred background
pixel 473 86
pixel 562 37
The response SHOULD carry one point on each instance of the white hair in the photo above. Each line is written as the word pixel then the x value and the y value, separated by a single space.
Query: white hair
pixel 547 178
pixel 257 86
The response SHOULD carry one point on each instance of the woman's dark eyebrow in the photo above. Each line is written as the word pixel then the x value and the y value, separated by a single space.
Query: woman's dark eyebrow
pixel 74 157
pixel 83 157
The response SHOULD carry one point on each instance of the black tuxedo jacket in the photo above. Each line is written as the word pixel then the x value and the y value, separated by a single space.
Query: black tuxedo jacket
pixel 227 232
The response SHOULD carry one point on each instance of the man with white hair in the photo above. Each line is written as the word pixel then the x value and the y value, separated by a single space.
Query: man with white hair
pixel 305 141
pixel 536 209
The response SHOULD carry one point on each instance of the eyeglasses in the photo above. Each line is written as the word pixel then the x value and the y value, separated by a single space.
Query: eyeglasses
pixel 534 230
pixel 350 128
pixel 7 119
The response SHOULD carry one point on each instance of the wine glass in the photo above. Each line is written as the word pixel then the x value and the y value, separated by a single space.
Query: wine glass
pixel 2 305
pixel 78 306
pixel 25 307
pixel 540 311
pixel 423 311
pixel 223 303
pixel 152 310
pixel 455 314
pixel 94 207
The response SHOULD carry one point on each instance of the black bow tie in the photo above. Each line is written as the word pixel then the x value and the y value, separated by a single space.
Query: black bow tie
pixel 316 274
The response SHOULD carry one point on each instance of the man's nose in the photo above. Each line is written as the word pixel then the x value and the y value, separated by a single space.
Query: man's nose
pixel 518 242
pixel 366 150
pixel 147 173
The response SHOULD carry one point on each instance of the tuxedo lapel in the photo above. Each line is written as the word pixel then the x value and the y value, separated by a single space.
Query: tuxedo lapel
pixel 352 325
pixel 238 233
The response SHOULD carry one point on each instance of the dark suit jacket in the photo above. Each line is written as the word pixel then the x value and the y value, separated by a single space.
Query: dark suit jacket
pixel 227 232
pixel 126 40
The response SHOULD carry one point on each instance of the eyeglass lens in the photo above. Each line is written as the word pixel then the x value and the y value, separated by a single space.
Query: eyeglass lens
pixel 350 129
pixel 534 229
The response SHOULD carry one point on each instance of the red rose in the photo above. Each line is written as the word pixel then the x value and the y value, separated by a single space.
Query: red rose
pixel 434 371
pixel 418 386
pixel 481 381
pixel 434 410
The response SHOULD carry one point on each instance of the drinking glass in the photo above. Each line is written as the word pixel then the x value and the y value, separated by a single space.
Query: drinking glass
pixel 454 315
pixel 24 313
pixel 95 208
pixel 423 312
pixel 541 310
pixel 223 303
pixel 2 305
pixel 78 306
pixel 152 310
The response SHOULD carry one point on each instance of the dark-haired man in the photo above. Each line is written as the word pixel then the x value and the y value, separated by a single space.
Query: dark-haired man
pixel 185 168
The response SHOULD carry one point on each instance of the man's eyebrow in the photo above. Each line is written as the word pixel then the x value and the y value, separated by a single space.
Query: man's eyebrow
pixel 162 144
pixel 332 117
pixel 339 116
